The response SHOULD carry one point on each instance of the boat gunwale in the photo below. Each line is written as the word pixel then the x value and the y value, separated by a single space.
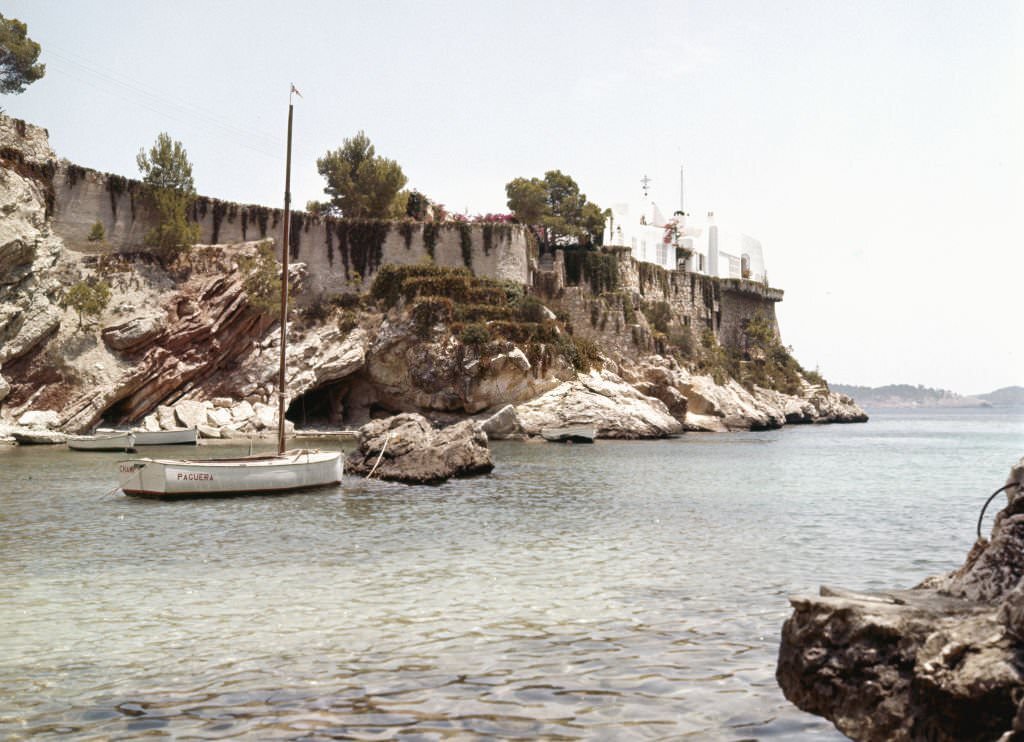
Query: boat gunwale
pixel 285 459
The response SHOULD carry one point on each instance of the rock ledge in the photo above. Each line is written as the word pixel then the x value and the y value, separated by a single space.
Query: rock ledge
pixel 939 662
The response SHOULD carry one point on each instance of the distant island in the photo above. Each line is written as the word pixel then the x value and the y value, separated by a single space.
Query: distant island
pixel 907 395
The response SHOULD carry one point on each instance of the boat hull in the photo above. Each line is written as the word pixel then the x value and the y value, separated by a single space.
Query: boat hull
pixel 570 434
pixel 121 440
pixel 166 478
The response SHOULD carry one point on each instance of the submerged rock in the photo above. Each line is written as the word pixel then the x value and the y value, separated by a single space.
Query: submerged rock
pixel 410 450
pixel 939 662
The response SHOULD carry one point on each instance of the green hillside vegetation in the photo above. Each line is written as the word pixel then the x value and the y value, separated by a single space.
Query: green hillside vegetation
pixel 485 314
pixel 761 360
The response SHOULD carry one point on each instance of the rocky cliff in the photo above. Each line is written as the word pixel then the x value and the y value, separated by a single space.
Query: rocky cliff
pixel 187 344
pixel 941 662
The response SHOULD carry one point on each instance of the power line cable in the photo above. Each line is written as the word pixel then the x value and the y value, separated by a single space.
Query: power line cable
pixel 165 106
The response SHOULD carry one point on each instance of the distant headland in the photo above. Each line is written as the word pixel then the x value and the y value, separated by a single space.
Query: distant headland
pixel 908 395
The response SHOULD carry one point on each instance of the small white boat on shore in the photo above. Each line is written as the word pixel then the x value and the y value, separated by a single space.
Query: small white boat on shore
pixel 124 440
pixel 246 475
pixel 570 434
pixel 252 475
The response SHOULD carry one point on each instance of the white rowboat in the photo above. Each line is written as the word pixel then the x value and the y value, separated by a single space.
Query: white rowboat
pixel 253 475
pixel 122 440
pixel 570 433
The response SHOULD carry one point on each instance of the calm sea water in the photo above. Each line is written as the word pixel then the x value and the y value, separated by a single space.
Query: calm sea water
pixel 614 591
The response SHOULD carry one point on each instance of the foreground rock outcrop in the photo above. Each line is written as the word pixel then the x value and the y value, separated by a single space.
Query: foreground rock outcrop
pixel 601 399
pixel 406 448
pixel 944 661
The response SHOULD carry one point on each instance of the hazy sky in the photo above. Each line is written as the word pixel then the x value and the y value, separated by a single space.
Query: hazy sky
pixel 876 149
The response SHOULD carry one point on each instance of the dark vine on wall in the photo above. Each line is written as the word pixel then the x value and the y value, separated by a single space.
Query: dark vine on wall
pixel 116 185
pixel 600 269
pixel 360 242
pixel 220 209
pixel 431 231
pixel 466 243
pixel 74 173
pixel 405 229
pixel 262 217
pixel 295 234
pixel 653 275
pixel 200 205
pixel 491 230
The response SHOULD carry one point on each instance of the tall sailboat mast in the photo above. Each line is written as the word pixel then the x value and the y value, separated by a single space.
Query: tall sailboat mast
pixel 282 392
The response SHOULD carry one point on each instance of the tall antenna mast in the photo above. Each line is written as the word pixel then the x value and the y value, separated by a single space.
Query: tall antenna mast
pixel 682 191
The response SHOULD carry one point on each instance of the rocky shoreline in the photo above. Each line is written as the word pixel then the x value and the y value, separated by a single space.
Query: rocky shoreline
pixel 939 662
pixel 185 345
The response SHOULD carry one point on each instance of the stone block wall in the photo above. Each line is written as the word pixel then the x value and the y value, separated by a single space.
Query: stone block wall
pixel 741 301
pixel 697 303
pixel 340 255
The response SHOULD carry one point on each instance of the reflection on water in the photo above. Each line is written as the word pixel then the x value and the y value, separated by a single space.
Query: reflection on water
pixel 620 590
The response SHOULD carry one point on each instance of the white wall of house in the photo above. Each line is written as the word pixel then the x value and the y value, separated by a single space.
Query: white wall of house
pixel 717 251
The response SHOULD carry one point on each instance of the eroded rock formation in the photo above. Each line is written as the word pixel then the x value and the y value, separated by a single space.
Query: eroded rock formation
pixel 406 448
pixel 941 662
pixel 602 399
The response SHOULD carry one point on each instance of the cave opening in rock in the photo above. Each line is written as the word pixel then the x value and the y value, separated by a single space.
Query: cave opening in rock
pixel 320 407
pixel 340 403
pixel 119 413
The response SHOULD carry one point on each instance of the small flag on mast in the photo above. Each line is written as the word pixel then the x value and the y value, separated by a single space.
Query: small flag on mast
pixel 296 90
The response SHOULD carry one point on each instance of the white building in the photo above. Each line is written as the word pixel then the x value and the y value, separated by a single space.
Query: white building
pixel 678 241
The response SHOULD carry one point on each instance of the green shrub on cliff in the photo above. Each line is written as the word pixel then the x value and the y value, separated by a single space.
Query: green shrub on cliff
pixel 429 312
pixel 167 174
pixel 479 310
pixel 88 298
pixel 659 314
pixel 475 335
pixel 97 234
pixel 262 279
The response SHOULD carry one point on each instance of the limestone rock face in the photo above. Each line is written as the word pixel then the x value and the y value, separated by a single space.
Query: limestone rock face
pixel 134 334
pixel 39 419
pixel 502 424
pixel 416 453
pixel 939 662
pixel 325 355
pixel 704 405
pixel 28 253
pixel 404 372
pixel 602 399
